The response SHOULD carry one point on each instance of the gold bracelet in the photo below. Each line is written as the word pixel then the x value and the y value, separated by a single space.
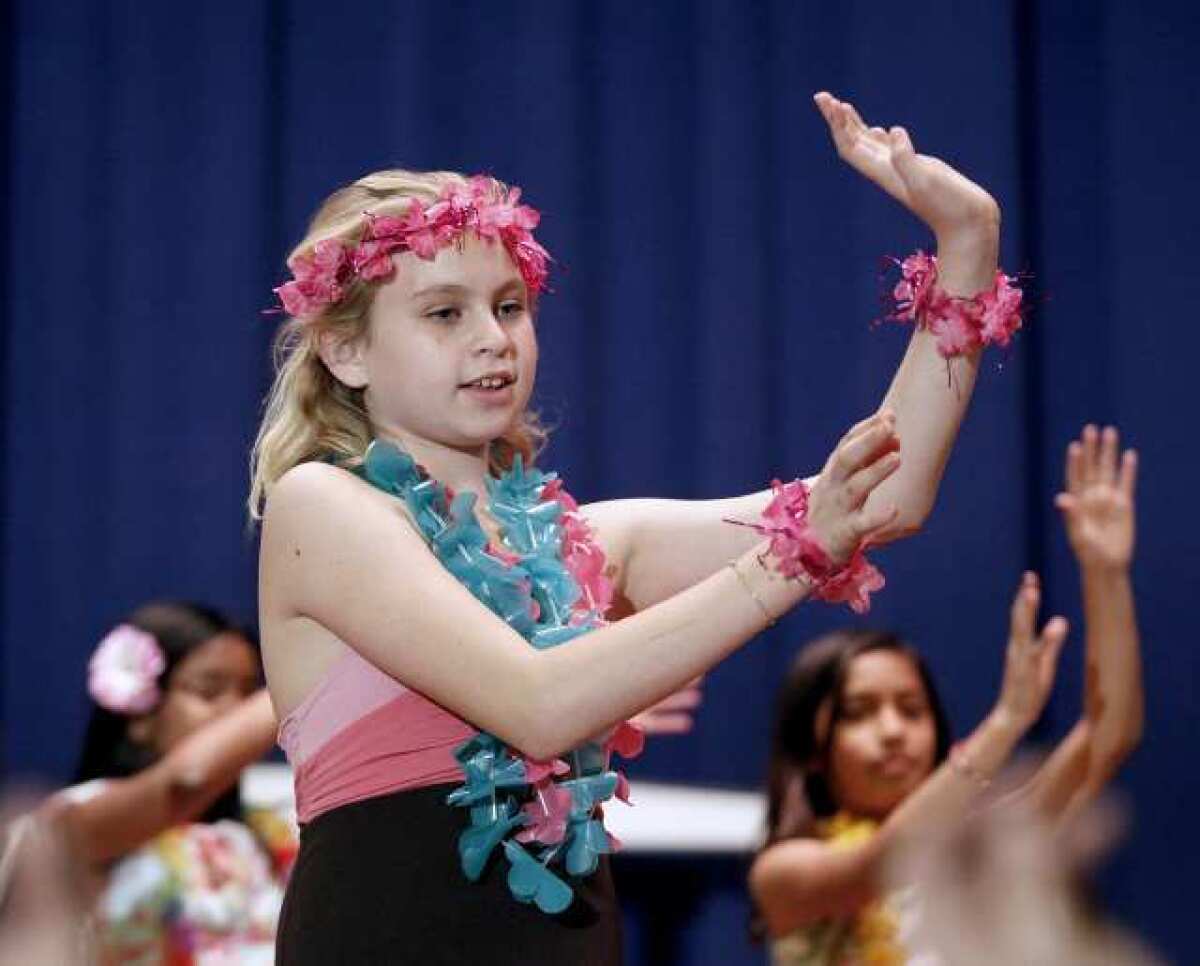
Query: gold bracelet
pixel 741 579
pixel 961 762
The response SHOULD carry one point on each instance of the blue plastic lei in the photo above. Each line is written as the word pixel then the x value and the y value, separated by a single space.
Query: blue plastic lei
pixel 536 595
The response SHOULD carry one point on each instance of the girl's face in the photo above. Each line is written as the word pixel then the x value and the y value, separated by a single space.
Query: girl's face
pixel 206 684
pixel 884 743
pixel 436 328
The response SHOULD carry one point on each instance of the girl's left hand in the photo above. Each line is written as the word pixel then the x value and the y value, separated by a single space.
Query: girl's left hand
pixel 950 204
pixel 1031 659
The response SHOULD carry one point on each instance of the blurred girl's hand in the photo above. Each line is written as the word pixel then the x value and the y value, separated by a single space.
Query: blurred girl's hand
pixel 1097 506
pixel 1031 659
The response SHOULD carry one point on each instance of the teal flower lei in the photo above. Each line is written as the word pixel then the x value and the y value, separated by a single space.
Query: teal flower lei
pixel 545 583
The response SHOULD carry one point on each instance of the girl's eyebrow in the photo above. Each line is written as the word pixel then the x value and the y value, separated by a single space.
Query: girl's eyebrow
pixel 446 289
pixel 450 288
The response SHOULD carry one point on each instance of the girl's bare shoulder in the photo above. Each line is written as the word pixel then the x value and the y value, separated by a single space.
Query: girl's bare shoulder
pixel 322 521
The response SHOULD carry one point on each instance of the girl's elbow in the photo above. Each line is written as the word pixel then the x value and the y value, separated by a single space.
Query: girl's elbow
pixel 532 745
pixel 544 737
pixel 538 727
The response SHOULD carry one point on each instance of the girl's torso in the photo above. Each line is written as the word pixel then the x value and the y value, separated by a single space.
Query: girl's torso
pixel 360 734
pixel 198 893
pixel 879 934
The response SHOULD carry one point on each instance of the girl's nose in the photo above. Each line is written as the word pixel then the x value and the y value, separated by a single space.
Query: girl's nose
pixel 891 725
pixel 491 337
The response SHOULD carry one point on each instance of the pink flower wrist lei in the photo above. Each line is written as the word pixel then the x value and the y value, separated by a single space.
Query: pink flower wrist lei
pixel 961 324
pixel 797 552
pixel 481 205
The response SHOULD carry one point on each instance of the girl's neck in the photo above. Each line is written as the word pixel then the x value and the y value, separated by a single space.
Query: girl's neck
pixel 459 469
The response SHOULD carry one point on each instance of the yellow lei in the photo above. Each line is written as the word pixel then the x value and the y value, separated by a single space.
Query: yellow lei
pixel 869 938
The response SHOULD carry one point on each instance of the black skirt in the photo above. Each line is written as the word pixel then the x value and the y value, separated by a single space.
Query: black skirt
pixel 379 881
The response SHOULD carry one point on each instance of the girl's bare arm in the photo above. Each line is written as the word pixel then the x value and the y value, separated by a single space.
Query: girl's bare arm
pixel 130 811
pixel 343 554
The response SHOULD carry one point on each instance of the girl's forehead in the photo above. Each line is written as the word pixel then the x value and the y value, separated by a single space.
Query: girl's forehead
pixel 882 671
pixel 228 652
pixel 471 264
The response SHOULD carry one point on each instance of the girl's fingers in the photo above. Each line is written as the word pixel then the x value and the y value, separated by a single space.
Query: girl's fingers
pixel 1074 469
pixel 1107 462
pixel 667 724
pixel 870 519
pixel 856 123
pixel 680 700
pixel 1054 633
pixel 1024 609
pixel 883 416
pixel 859 486
pixel 866 448
pixel 1051 641
pixel 904 156
pixel 1090 459
pixel 834 116
pixel 1129 469
pixel 1067 502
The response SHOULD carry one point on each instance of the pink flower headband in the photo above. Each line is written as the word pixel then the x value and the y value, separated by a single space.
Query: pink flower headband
pixel 123 672
pixel 481 205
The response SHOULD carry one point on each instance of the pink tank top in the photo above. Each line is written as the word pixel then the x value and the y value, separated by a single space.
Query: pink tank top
pixel 361 733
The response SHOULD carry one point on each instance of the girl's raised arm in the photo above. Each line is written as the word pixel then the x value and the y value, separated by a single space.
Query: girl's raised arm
pixel 1098 511
pixel 927 402
pixel 342 553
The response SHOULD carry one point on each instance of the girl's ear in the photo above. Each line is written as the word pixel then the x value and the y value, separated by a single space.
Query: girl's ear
pixel 343 358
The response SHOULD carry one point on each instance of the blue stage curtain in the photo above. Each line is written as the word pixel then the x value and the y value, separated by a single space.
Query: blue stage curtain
pixel 718 273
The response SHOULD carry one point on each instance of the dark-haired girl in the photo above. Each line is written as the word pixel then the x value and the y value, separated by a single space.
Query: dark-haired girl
pixel 153 819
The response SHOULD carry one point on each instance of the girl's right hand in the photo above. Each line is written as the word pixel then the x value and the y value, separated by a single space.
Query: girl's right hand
pixel 1031 659
pixel 837 507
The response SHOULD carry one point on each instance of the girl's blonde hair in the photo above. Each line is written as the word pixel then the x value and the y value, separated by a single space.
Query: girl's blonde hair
pixel 309 414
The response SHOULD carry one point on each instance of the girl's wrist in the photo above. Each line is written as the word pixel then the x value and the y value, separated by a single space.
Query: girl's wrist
pixel 976 232
pixel 1103 576
pixel 967 261
pixel 1003 726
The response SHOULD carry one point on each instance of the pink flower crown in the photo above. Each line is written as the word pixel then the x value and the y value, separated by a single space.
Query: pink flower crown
pixel 320 278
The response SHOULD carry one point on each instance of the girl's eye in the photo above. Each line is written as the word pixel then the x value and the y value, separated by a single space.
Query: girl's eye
pixel 448 314
pixel 209 689
pixel 511 308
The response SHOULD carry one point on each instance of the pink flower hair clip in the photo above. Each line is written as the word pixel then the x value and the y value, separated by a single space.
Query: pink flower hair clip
pixel 960 324
pixel 320 278
pixel 124 669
